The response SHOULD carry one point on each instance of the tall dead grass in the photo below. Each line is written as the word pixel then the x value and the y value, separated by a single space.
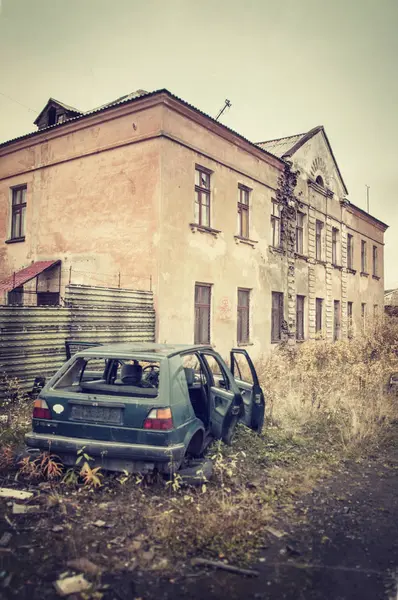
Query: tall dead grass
pixel 338 391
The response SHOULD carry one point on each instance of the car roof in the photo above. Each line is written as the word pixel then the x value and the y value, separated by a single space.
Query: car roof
pixel 145 350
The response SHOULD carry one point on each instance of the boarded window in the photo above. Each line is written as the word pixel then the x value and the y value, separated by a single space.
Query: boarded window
pixel 277 316
pixel 18 212
pixel 202 196
pixel 363 256
pixel 375 269
pixel 48 299
pixel 318 315
pixel 336 320
pixel 349 318
pixel 300 317
pixel 318 240
pixel 243 334
pixel 300 233
pixel 276 225
pixel 15 296
pixel 350 251
pixel 243 211
pixel 202 313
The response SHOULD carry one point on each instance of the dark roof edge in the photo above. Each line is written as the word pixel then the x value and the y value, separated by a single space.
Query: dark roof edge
pixel 132 100
pixel 366 214
pixel 65 106
pixel 286 137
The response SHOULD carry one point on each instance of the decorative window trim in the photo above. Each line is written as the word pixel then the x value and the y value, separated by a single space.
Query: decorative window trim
pixel 15 240
pixel 242 240
pixel 352 271
pixel 377 277
pixel 301 256
pixel 204 229
pixel 202 192
pixel 363 274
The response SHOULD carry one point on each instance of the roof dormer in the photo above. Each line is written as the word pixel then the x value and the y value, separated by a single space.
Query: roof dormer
pixel 55 112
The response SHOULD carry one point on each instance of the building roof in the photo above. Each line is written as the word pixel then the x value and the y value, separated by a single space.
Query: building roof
pixel 131 98
pixel 285 147
pixel 24 275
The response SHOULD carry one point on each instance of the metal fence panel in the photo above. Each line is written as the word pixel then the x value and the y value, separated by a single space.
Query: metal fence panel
pixel 32 339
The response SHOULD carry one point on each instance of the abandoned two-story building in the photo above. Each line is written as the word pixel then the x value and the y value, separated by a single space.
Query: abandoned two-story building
pixel 243 243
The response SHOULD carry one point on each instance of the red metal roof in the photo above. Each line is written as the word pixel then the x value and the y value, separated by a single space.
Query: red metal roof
pixel 20 277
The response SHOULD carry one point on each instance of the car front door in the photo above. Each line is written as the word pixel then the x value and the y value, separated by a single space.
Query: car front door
pixel 246 378
pixel 223 406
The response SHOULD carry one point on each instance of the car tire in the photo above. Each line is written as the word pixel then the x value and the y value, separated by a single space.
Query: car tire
pixel 198 472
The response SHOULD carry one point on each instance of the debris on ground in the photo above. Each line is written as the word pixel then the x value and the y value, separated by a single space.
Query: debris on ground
pixel 275 532
pixel 72 585
pixel 85 566
pixel 101 523
pixel 224 566
pixel 16 494
pixel 5 539
pixel 24 509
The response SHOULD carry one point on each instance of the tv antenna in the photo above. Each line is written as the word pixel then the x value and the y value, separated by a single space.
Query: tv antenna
pixel 367 196
pixel 226 105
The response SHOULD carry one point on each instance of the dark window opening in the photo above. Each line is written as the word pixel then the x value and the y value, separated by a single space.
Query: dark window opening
pixel 52 116
pixel 202 197
pixel 363 256
pixel 18 210
pixel 202 313
pixel 300 233
pixel 243 334
pixel 349 319
pixel 319 181
pixel 300 317
pixel 375 269
pixel 318 240
pixel 48 299
pixel 277 316
pixel 350 251
pixel 336 321
pixel 335 233
pixel 276 225
pixel 15 296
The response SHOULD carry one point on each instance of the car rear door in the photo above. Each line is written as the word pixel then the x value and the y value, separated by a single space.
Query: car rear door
pixel 222 399
pixel 246 378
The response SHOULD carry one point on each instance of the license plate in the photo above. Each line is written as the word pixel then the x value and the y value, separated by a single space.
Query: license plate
pixel 99 414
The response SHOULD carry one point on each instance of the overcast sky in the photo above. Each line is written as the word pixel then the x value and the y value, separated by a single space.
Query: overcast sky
pixel 285 66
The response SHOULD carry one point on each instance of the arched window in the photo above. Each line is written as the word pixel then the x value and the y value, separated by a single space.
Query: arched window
pixel 52 114
pixel 319 181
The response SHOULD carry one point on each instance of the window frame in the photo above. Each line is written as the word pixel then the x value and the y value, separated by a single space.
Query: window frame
pixel 363 256
pixel 243 209
pixel 318 316
pixel 336 321
pixel 201 191
pixel 350 322
pixel 375 261
pixel 363 315
pixel 243 318
pixel 18 208
pixel 335 241
pixel 200 308
pixel 319 225
pixel 276 224
pixel 300 331
pixel 350 251
pixel 277 307
pixel 300 216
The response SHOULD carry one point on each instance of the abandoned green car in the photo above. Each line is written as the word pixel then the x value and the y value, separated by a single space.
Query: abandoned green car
pixel 143 406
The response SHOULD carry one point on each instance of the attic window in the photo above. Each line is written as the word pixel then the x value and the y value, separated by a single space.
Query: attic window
pixel 319 181
pixel 52 115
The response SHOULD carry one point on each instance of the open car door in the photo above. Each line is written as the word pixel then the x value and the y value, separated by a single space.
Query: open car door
pixel 246 378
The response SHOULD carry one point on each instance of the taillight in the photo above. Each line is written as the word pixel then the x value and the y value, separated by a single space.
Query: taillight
pixel 160 419
pixel 41 410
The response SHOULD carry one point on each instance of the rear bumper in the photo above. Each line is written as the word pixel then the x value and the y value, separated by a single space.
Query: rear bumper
pixel 111 455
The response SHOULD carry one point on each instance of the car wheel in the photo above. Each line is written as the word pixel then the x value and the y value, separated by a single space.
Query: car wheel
pixel 197 472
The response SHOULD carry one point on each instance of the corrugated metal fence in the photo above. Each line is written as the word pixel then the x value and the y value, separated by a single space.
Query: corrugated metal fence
pixel 32 339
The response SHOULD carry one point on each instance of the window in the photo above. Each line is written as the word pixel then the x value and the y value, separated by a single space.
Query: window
pixel 277 316
pixel 48 299
pixel 202 313
pixel 363 256
pixel 300 317
pixel 300 233
pixel 335 235
pixel 375 311
pixel 336 320
pixel 15 296
pixel 276 225
pixel 18 212
pixel 318 240
pixel 363 315
pixel 243 211
pixel 202 196
pixel 318 315
pixel 243 334
pixel 319 181
pixel 375 273
pixel 52 115
pixel 349 318
pixel 350 251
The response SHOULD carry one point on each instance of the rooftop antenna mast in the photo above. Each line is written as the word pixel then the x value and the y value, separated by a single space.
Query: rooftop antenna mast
pixel 367 196
pixel 226 105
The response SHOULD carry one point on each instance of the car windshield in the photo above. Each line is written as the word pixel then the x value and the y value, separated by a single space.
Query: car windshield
pixel 111 376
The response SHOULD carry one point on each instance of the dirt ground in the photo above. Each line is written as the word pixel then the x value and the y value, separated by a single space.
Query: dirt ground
pixel 341 542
